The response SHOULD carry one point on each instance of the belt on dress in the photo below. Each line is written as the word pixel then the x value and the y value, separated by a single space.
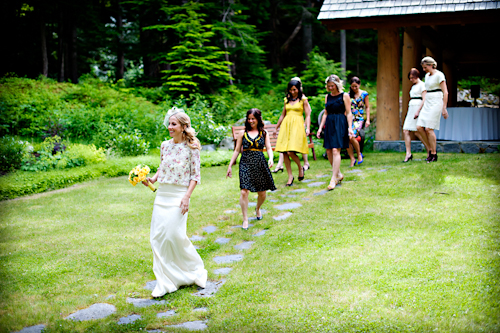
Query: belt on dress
pixel 435 90
pixel 253 149
pixel 415 98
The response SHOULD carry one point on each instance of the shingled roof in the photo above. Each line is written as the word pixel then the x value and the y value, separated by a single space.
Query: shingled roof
pixel 342 9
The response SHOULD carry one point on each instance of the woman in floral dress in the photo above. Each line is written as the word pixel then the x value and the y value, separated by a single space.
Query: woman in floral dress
pixel 175 260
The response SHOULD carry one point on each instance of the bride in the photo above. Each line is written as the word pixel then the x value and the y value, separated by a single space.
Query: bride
pixel 175 260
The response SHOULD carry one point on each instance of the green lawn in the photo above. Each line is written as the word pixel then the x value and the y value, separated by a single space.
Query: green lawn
pixel 415 248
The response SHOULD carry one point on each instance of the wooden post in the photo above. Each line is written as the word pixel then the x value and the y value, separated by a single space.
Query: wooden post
pixel 451 83
pixel 412 53
pixel 388 128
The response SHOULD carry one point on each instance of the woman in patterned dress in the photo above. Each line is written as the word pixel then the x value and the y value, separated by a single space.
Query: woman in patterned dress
pixel 255 175
pixel 175 260
pixel 359 105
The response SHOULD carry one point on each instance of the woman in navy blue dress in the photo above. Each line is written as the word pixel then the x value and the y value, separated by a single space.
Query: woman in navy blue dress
pixel 337 120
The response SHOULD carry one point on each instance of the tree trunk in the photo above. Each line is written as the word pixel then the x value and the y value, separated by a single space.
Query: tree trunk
pixel 73 59
pixel 307 32
pixel 227 13
pixel 45 59
pixel 61 52
pixel 120 55
pixel 343 51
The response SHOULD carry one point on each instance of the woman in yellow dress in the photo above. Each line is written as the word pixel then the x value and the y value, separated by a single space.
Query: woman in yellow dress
pixel 292 138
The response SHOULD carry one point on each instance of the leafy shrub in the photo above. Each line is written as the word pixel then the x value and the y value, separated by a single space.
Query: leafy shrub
pixel 131 144
pixel 318 68
pixel 53 154
pixel 11 153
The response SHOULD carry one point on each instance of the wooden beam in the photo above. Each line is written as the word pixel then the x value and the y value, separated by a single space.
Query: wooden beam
pixel 388 127
pixel 412 54
pixel 398 21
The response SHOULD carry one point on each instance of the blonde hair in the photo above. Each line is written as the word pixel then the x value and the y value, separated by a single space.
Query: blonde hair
pixel 338 82
pixel 429 61
pixel 188 134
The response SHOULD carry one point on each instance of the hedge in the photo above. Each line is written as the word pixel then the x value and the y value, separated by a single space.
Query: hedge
pixel 20 183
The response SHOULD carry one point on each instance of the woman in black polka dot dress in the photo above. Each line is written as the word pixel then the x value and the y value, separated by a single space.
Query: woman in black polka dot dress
pixel 255 175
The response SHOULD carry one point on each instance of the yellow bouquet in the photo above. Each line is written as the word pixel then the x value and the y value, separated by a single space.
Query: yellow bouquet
pixel 138 174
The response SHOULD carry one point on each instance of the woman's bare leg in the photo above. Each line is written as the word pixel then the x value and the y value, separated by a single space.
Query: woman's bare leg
pixel 260 200
pixel 431 136
pixel 350 151
pixel 288 167
pixel 296 159
pixel 305 157
pixel 407 137
pixel 423 139
pixel 244 206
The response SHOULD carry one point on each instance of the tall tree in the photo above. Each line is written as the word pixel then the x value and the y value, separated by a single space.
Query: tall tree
pixel 197 64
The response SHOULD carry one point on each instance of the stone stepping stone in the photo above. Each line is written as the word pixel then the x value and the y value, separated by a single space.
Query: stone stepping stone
pixel 252 204
pixel 291 196
pixel 290 205
pixel 129 319
pixel 143 302
pixel 203 309
pixel 356 170
pixel 382 170
pixel 210 229
pixel 198 325
pixel 322 192
pixel 299 190
pixel 228 259
pixel 241 226
pixel 150 285
pixel 316 184
pixel 273 200
pixel 230 211
pixel 95 311
pixel 223 271
pixel 196 238
pixel 244 246
pixel 283 216
pixel 222 240
pixel 169 313
pixel 260 233
pixel 308 180
pixel 111 297
pixel 369 168
pixel 322 176
pixel 211 288
pixel 154 331
pixel 306 199
pixel 32 329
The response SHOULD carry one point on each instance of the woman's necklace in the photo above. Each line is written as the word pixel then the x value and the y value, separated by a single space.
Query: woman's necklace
pixel 292 99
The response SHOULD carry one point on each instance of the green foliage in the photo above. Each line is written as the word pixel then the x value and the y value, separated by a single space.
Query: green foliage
pixel 196 62
pixel 11 153
pixel 318 68
pixel 51 154
pixel 131 144
pixel 488 85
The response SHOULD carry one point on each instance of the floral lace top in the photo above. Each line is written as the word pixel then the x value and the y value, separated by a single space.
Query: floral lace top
pixel 179 164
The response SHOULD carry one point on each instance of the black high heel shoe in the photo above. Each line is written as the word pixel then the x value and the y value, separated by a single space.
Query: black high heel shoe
pixel 258 217
pixel 277 170
pixel 301 178
pixel 293 178
pixel 408 159
pixel 433 158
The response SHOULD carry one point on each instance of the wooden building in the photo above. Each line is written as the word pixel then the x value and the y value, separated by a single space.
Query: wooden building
pixel 462 35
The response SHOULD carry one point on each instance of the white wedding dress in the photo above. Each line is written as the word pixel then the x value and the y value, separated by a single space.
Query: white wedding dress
pixel 175 260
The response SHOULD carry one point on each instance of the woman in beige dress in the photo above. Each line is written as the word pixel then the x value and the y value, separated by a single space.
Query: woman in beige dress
pixel 434 105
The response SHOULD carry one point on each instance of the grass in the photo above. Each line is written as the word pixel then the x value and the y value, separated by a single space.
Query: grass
pixel 414 248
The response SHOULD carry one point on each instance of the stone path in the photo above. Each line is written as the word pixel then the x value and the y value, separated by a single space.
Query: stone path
pixel 102 310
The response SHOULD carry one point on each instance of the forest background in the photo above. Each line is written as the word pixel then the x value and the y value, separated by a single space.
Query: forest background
pixel 219 57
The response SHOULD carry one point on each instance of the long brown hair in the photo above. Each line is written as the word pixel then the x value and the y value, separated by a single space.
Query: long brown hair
pixel 258 115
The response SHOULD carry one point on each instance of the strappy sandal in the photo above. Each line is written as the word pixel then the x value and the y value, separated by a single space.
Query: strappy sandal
pixel 330 186
pixel 277 170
